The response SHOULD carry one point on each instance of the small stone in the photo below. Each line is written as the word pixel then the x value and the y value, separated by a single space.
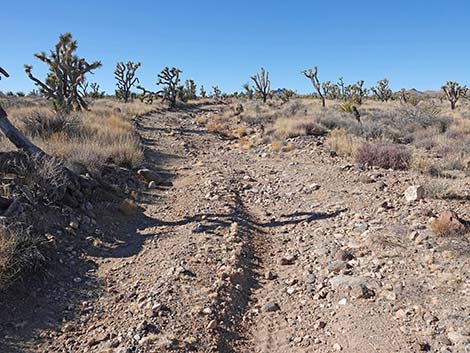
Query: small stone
pixel 429 318
pixel 400 314
pixel 149 176
pixel 414 193
pixel 74 225
pixel 269 275
pixel 343 301
pixel 310 278
pixel 319 325
pixel 314 187
pixel 212 325
pixel 291 290
pixel 361 291
pixel 271 307
pixel 287 260
pixel 448 223
pixel 128 207
pixel 343 255
pixel 457 338
pixel 336 266
pixel 337 347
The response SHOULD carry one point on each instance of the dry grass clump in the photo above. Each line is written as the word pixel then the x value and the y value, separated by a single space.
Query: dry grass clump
pixel 20 252
pixel 92 138
pixel 217 127
pixel 441 189
pixel 281 146
pixel 293 127
pixel 343 143
pixel 384 155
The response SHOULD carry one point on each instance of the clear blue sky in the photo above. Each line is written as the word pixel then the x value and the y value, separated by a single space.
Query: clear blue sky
pixel 417 43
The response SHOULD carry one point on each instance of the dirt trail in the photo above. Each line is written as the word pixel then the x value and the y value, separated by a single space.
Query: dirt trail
pixel 259 252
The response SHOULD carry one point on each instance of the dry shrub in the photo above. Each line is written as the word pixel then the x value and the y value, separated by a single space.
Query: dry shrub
pixel 92 138
pixel 276 146
pixel 20 252
pixel 201 119
pixel 342 143
pixel 245 143
pixel 216 127
pixel 293 127
pixel 384 155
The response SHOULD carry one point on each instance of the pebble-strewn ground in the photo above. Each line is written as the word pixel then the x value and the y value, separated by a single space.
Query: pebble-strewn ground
pixel 255 251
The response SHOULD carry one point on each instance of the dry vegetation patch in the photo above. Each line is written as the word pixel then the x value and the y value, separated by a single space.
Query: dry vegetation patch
pixel 104 134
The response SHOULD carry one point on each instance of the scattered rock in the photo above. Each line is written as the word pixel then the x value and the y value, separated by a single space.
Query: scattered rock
pixel 269 275
pixel 337 347
pixel 128 207
pixel 212 325
pixel 343 255
pixel 149 176
pixel 287 260
pixel 271 307
pixel 448 223
pixel 414 193
pixel 310 278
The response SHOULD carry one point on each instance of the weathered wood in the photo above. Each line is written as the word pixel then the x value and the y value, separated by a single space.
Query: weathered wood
pixel 15 136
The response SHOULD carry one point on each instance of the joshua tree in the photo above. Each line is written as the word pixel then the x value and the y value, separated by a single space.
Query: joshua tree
pixel 331 90
pixel 202 92
pixel 356 92
pixel 190 89
pixel 248 91
pixel 11 132
pixel 382 91
pixel 169 78
pixel 125 77
pixel 216 92
pixel 66 72
pixel 286 95
pixel 313 76
pixel 147 96
pixel 83 88
pixel 262 85
pixel 342 88
pixel 95 91
pixel 453 91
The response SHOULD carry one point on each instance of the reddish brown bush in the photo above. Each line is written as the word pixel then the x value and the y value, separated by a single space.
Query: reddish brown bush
pixel 388 156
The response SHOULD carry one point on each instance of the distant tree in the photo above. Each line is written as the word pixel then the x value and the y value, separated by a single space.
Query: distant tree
pixel 248 91
pixel 453 91
pixel 125 79
pixel 382 91
pixel 190 89
pixel 286 95
pixel 313 76
pixel 96 91
pixel 216 92
pixel 66 72
pixel 262 85
pixel 356 92
pixel 169 78
pixel 202 92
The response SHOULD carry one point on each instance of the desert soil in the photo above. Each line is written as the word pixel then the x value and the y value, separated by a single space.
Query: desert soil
pixel 254 251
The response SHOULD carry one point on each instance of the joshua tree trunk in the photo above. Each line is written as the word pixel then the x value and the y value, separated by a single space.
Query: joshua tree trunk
pixel 15 136
pixel 11 132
